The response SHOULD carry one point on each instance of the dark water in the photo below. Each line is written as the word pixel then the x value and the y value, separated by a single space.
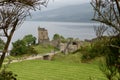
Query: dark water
pixel 75 30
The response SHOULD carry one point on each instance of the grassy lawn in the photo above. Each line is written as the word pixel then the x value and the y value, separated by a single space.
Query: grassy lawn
pixel 70 58
pixel 41 49
pixel 55 70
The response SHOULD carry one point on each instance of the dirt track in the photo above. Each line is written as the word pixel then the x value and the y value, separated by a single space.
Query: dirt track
pixel 32 57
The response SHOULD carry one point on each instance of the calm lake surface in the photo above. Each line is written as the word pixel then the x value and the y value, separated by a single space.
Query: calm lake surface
pixel 66 29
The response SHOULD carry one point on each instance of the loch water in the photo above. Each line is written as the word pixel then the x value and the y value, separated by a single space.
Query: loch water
pixel 67 29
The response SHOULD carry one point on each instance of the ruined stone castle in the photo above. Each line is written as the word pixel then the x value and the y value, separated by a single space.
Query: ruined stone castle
pixel 42 36
pixel 67 47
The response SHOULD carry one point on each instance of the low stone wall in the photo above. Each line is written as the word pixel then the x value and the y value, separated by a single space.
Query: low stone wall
pixel 48 56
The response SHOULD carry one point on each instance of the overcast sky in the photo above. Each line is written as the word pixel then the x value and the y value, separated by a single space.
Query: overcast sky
pixel 60 3
pixel 67 2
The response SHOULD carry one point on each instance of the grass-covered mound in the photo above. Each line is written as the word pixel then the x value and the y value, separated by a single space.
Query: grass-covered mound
pixel 55 70
pixel 42 49
pixel 69 58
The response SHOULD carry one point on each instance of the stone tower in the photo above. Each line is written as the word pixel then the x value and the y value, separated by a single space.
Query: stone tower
pixel 42 35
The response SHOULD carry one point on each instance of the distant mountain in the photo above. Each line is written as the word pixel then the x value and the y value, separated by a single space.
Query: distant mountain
pixel 72 13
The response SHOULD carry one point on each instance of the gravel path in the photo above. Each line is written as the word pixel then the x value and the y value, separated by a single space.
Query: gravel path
pixel 31 57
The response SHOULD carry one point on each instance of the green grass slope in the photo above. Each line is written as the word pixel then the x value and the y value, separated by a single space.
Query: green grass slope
pixel 55 70
pixel 43 49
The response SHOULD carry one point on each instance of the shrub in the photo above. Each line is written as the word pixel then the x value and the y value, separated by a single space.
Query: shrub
pixel 111 66
pixel 29 39
pixel 95 49
pixel 20 48
pixel 59 38
pixel 7 75
pixel 86 53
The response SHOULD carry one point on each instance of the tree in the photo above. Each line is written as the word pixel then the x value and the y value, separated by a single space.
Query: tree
pixel 108 13
pixel 29 39
pixel 2 43
pixel 100 30
pixel 12 14
pixel 19 48
pixel 56 37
